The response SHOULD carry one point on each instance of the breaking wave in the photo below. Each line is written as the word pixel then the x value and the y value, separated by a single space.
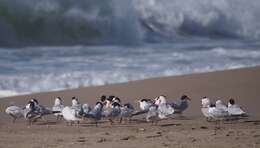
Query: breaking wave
pixel 66 22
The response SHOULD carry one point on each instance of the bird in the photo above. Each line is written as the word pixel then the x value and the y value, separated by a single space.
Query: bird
pixel 217 113
pixel 164 109
pixel 144 105
pixel 205 102
pixel 126 112
pixel 58 106
pixel 180 105
pixel 220 104
pixel 96 113
pixel 41 109
pixel 15 112
pixel 152 114
pixel 159 110
pixel 76 106
pixel 86 108
pixel 70 115
pixel 113 112
pixel 234 109
pixel 31 112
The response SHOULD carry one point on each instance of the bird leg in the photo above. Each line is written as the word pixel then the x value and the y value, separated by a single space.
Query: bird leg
pixel 78 124
pixel 14 118
pixel 58 118
pixel 111 121
pixel 96 124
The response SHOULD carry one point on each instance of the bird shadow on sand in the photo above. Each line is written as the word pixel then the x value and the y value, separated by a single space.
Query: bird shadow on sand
pixel 46 123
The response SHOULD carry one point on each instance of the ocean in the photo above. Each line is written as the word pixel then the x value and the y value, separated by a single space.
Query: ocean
pixel 49 45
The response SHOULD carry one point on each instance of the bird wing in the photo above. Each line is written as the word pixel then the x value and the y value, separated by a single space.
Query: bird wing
pixel 205 112
pixel 175 104
pixel 14 110
pixel 222 106
pixel 217 113
pixel 235 110
pixel 69 114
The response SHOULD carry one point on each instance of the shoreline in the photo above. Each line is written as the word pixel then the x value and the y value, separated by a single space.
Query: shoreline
pixel 124 83
pixel 238 83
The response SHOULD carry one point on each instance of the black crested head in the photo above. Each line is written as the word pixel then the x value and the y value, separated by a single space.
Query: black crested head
pixel 58 98
pixel 232 101
pixel 212 105
pixel 110 98
pixel 145 100
pixel 31 104
pixel 128 105
pixel 117 99
pixel 115 104
pixel 183 97
pixel 103 98
pixel 74 98
pixel 99 103
pixel 35 100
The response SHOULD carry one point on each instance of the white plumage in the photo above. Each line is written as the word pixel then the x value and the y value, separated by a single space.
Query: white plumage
pixel 69 114
pixel 234 109
pixel 58 106
pixel 15 112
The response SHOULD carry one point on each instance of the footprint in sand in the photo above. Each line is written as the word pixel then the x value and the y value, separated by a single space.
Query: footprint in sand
pixel 128 138
pixel 81 139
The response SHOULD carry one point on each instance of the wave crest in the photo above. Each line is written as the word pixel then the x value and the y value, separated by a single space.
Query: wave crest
pixel 63 22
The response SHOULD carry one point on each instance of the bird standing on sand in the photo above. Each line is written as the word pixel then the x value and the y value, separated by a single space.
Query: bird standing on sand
pixel 181 105
pixel 113 112
pixel 96 113
pixel 144 105
pixel 152 114
pixel 164 109
pixel 41 110
pixel 76 106
pixel 210 111
pixel 15 112
pixel 70 115
pixel 159 110
pixel 205 102
pixel 234 109
pixel 31 112
pixel 217 113
pixel 126 112
pixel 58 106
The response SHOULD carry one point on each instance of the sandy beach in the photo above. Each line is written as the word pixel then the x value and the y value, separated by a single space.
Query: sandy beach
pixel 191 130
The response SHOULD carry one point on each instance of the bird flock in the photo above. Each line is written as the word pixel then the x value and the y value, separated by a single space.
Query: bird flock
pixel 219 110
pixel 112 109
